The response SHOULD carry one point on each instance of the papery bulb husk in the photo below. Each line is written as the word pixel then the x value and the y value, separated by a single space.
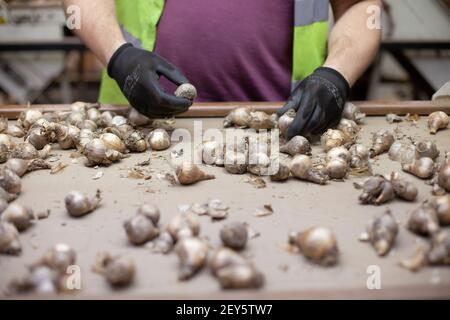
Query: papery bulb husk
pixel 212 153
pixel 444 177
pixel 83 138
pixel 225 257
pixel 3 124
pixel 78 204
pixel 137 119
pixel 302 168
pixel 119 271
pixel 38 137
pixel 235 162
pixel 118 121
pixel 97 153
pixel 402 151
pixel 359 157
pixel 106 119
pixel 10 181
pixel 417 261
pixel 260 121
pixel 376 190
pixel 8 197
pixel 439 253
pixel 437 121
pixel 349 127
pixel 76 119
pixel 124 130
pixel 59 257
pixel 442 206
pixel 339 153
pixel 6 140
pixel 422 168
pixel 135 142
pixel 183 225
pixel 94 115
pixel 423 220
pixel 259 164
pixel 18 215
pixel 239 117
pixel 39 280
pixel 164 243
pixel 382 232
pixel 333 138
pixel 337 168
pixel 234 235
pixel 16 131
pixel 240 276
pixel 297 145
pixel 21 167
pixel 285 121
pixel 159 140
pixel 79 106
pixel 192 254
pixel 88 124
pixel 426 148
pixel 4 153
pixel 28 118
pixel 319 245
pixel 140 229
pixel 283 173
pixel 353 112
pixel 403 188
pixel 187 91
pixel 189 173
pixel 391 118
pixel 9 239
pixel 66 136
pixel 150 211
pixel 113 142
pixel 381 142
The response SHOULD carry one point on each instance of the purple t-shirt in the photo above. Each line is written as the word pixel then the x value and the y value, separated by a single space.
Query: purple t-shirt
pixel 233 50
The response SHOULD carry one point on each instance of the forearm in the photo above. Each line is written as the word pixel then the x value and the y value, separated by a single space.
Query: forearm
pixel 99 30
pixel 352 44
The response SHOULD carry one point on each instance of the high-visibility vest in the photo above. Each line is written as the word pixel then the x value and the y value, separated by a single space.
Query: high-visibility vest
pixel 138 20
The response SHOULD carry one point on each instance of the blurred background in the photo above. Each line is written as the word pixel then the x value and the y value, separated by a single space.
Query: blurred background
pixel 42 62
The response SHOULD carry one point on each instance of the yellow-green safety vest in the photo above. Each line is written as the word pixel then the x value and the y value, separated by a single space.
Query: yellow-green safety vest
pixel 138 20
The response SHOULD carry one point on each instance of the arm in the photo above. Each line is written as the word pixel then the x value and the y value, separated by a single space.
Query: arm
pixel 98 18
pixel 352 46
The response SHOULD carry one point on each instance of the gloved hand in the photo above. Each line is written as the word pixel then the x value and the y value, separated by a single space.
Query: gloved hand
pixel 137 72
pixel 318 100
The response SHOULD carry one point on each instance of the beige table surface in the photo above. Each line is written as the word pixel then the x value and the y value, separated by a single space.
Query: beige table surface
pixel 297 205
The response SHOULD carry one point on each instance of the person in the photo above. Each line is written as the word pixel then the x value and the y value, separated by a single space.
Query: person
pixel 231 50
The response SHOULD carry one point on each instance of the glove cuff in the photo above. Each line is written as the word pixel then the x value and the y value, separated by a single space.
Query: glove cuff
pixel 336 78
pixel 114 57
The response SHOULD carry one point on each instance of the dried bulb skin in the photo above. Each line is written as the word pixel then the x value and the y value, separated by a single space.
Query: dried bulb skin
pixel 239 117
pixel 381 142
pixel 403 188
pixel 442 206
pixel 282 174
pixel 8 197
pixel 349 127
pixel 417 261
pixel 18 215
pixel 437 121
pixel 353 112
pixel 444 177
pixel 186 90
pixel 189 173
pixel 137 119
pixel 93 114
pixel 261 121
pixel 40 280
pixel 150 211
pixel 285 121
pixel 427 148
pixel 235 162
pixel 439 253
pixel 382 232
pixel 136 142
pixel 337 168
pixel 6 140
pixel 106 119
pixel 10 181
pixel 24 151
pixel 15 131
pixel 140 229
pixel 119 271
pixel 159 140
pixel 225 257
pixel 39 137
pixel 423 220
pixel 234 235
pixel 318 245
pixel 59 257
pixel 9 239
pixel 259 164
pixel 4 153
pixel 376 190
pixel 402 151
pixel 192 254
pixel 297 145
pixel 302 168
pixel 83 138
pixel 78 204
pixel 212 153
pixel 66 135
pixel 88 124
pixel 340 153
pixel 79 106
pixel 113 142
pixel 240 276
pixel 21 167
pixel 3 124
pixel 333 138
pixel 76 118
pixel 98 153
pixel 422 168
pixel 183 225
pixel 28 118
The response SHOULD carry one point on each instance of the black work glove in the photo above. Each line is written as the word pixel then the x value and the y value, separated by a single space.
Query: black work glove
pixel 137 73
pixel 318 100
